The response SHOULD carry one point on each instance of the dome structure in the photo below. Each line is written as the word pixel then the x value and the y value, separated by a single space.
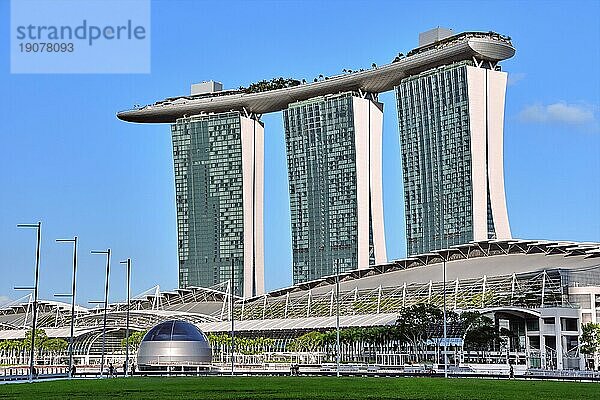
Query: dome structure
pixel 174 343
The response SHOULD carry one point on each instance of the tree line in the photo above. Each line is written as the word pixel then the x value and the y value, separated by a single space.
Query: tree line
pixel 16 350
pixel 413 333
pixel 221 342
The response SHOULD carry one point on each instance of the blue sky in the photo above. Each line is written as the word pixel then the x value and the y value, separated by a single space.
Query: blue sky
pixel 67 161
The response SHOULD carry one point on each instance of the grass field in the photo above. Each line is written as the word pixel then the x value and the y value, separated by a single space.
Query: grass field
pixel 299 388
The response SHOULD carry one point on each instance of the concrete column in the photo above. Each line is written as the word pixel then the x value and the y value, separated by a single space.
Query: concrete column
pixel 543 363
pixel 594 320
pixel 527 348
pixel 559 343
pixel 593 305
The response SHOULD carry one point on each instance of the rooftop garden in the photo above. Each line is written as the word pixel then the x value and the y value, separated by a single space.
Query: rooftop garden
pixel 264 85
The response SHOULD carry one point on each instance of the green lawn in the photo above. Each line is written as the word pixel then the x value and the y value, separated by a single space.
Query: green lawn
pixel 299 388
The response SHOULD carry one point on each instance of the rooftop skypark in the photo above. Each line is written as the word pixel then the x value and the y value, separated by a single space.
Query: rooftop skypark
pixel 275 95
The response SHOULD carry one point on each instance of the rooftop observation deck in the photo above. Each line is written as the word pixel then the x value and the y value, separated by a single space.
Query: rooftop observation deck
pixel 481 46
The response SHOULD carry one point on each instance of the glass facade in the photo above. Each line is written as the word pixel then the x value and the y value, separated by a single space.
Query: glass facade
pixel 174 331
pixel 207 153
pixel 435 136
pixel 321 157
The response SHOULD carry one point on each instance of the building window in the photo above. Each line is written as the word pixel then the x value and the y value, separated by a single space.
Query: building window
pixel 568 324
pixel 533 324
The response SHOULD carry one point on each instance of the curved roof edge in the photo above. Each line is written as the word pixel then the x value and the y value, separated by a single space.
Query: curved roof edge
pixel 471 250
pixel 465 46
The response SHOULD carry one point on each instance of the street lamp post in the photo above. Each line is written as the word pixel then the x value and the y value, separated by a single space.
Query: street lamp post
pixel 128 263
pixel 337 316
pixel 38 226
pixel 72 295
pixel 232 320
pixel 107 253
pixel 445 325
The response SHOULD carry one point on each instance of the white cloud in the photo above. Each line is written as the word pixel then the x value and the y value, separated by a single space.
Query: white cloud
pixel 4 299
pixel 515 77
pixel 561 112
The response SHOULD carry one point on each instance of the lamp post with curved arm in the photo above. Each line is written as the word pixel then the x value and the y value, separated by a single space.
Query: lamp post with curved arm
pixel 37 226
pixel 128 264
pixel 107 253
pixel 72 295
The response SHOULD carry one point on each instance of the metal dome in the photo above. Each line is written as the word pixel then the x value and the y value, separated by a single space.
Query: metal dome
pixel 174 343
